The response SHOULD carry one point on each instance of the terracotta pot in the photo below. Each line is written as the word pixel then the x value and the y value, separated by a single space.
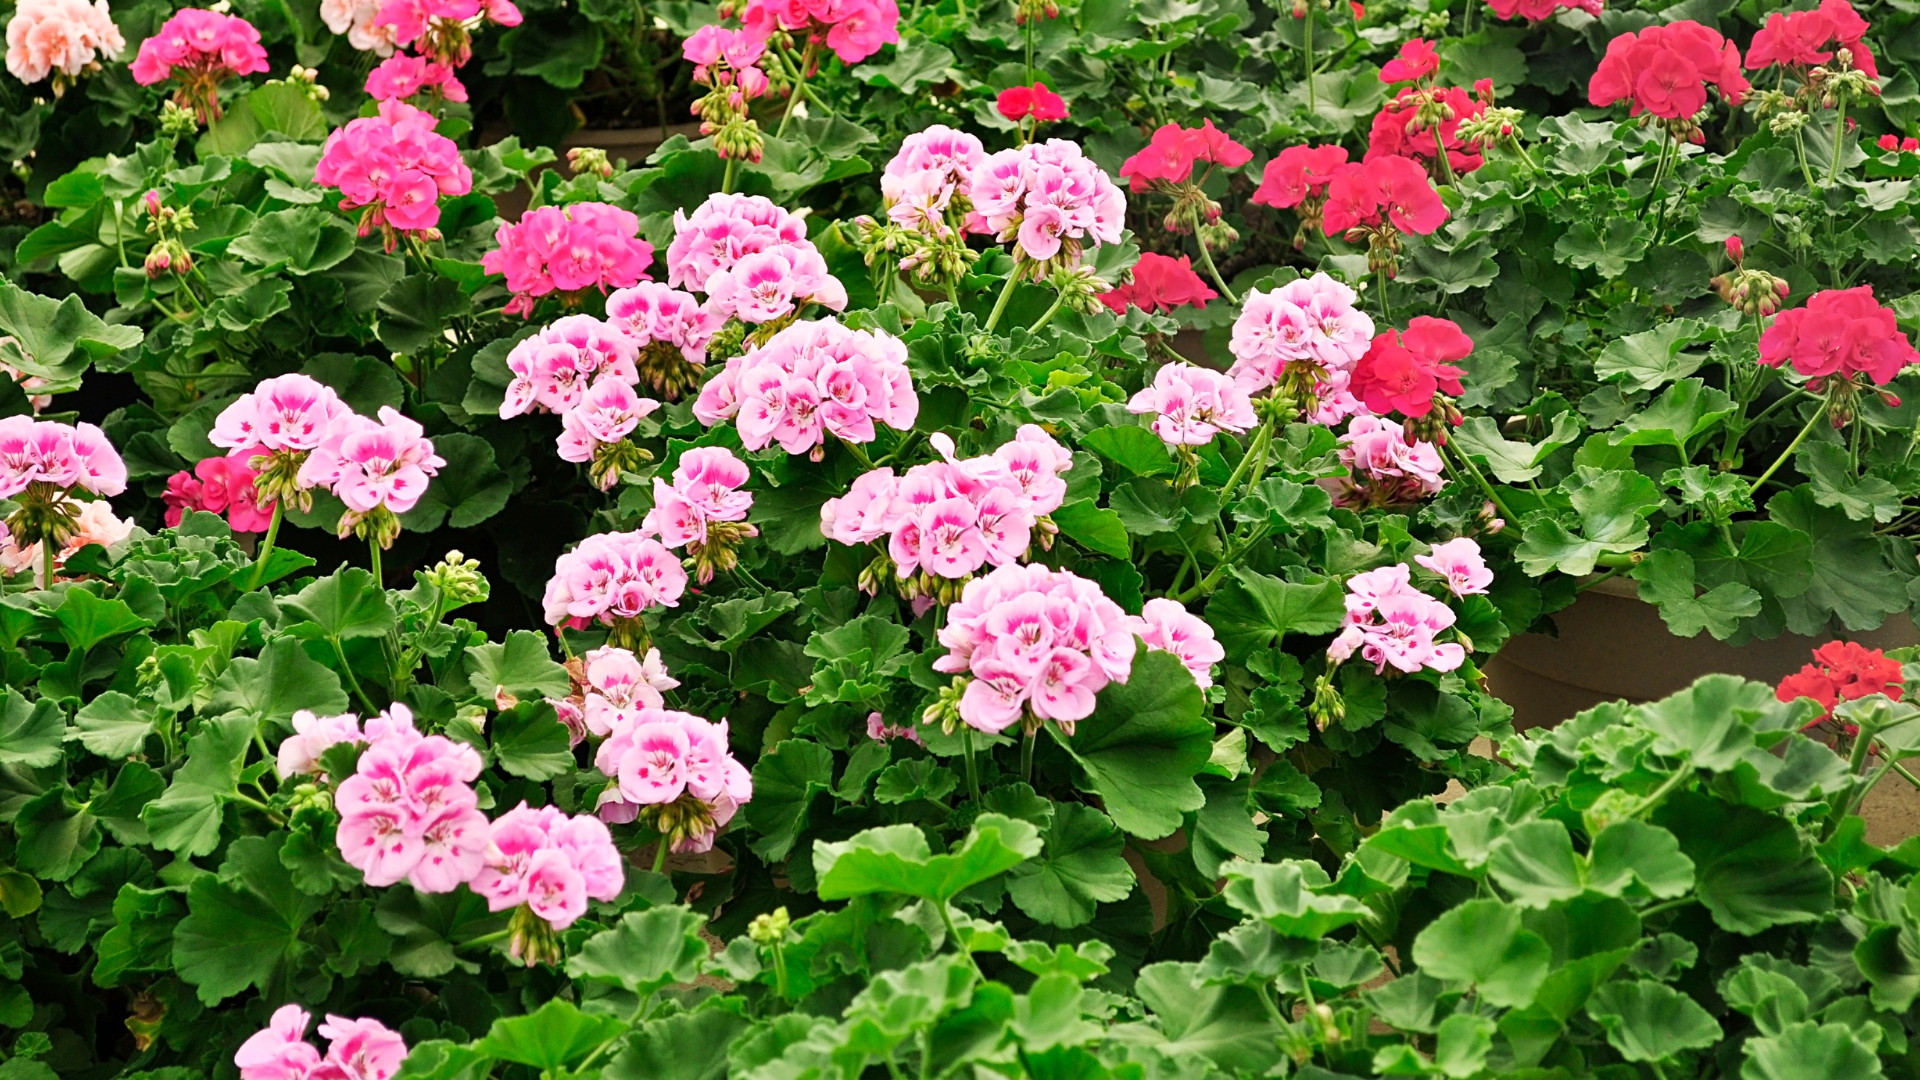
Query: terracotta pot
pixel 633 144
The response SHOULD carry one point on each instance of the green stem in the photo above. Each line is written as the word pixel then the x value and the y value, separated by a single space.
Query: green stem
pixel 859 453
pixel 799 87
pixel 1386 305
pixel 46 562
pixel 1754 488
pixel 373 561
pixel 726 178
pixel 1313 101
pixel 1026 756
pixel 1006 294
pixel 266 547
pixel 353 681
pixel 1806 170
pixel 1681 776
pixel 1255 448
pixel 660 856
pixel 1466 461
pixel 1839 139
pixel 1206 260
pixel 486 939
pixel 1905 775
pixel 1058 301
pixel 780 969
pixel 1647 913
pixel 973 777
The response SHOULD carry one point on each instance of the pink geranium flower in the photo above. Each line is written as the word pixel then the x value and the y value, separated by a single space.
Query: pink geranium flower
pixel 63 37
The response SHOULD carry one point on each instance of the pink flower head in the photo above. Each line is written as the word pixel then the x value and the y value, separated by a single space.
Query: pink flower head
pixel 721 231
pixel 661 756
pixel 553 368
pixel 1160 283
pixel 852 29
pixel 409 812
pixel 440 28
pixel 605 415
pixel 613 576
pixel 1399 131
pixel 59 455
pixel 293 413
pixel 65 36
pixel 1841 332
pixel 220 485
pixel 1459 562
pixel 1536 11
pixel 200 50
pixel 300 752
pixel 772 284
pixel 549 861
pixel 652 314
pixel 1069 199
pixel 1173 152
pixel 1417 60
pixel 1190 405
pixel 1383 467
pixel 880 731
pixel 1402 372
pixel 1391 623
pixel 1665 70
pixel 1299 173
pixel 929 176
pixel 278 1051
pixel 810 381
pixel 619 683
pixel 568 249
pixel 403 76
pixel 1168 626
pixel 363 1049
pixel 1314 321
pixel 370 465
pixel 394 167
pixel 1805 39
pixel 355 19
pixel 1017 103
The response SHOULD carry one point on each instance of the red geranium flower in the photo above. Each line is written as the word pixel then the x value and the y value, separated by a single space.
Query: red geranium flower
pixel 1174 150
pixel 1665 70
pixel 1402 371
pixel 1298 174
pixel 1396 132
pixel 1899 145
pixel 1016 103
pixel 1842 671
pixel 1840 332
pixel 1159 284
pixel 1417 60
pixel 1804 39
pixel 1541 10
pixel 1361 193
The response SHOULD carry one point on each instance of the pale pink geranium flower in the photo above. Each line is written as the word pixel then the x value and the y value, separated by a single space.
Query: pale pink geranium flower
pixel 1190 405
pixel 1389 622
pixel 1460 563
pixel 550 862
pixel 1167 625
pixel 278 1051
pixel 619 684
pixel 1048 197
pixel 705 489
pixel 293 413
pixel 1383 468
pixel 606 415
pixel 810 381
pixel 372 466
pixel 1312 322
pixel 553 368
pixel 611 577
pixel 64 36
pixel 362 1049
pixel 299 753
pixel 409 812
pixel 723 230
pixel 354 18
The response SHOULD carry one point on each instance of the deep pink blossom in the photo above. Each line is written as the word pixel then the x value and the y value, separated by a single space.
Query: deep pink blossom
pixel 568 249
pixel 403 76
pixel 199 50
pixel 1665 70
pixel 393 167
pixel 852 29
pixel 1841 332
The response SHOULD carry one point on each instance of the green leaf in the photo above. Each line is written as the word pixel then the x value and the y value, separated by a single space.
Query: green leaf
pixel 1513 462
pixel 345 604
pixel 1080 868
pixel 1753 870
pixel 85 620
pixel 529 741
pixel 30 734
pixel 645 951
pixel 1850 572
pixel 1650 1021
pixel 1865 498
pixel 1711 722
pixel 1226 1024
pixel 469 489
pixel 1282 895
pixel 55 340
pixel 896 859
pixel 685 1046
pixel 1633 851
pixel 1481 942
pixel 1146 740
pixel 114 725
pixel 413 313
pixel 288 109
pixel 303 240
pixel 53 837
pixel 1223 829
pixel 1653 358
pixel 363 383
pixel 1133 448
pixel 1667 578
pixel 1686 411
pixel 1255 611
pixel 187 818
pixel 907 781
pixel 1535 864
pixel 281 682
pixel 1094 528
pixel 243 925
pixel 560 54
pixel 426 928
pixel 551 1039
pixel 1608 249
pixel 520 665
pixel 785 781
pixel 1805 1050
pixel 1613 507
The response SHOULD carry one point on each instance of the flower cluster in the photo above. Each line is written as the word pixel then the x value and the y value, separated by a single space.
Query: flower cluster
pixel 544 865
pixel 1304 337
pixel 1297 179
pixel 927 192
pixel 313 735
pixel 441 29
pixel 618 684
pixel 752 258
pixel 1843 671
pixel 1807 39
pixel 852 29
pixel 275 428
pixel 409 811
pixel 567 250
pixel 199 50
pixel 726 62
pixel 1038 644
pixel 1388 621
pixel 1419 121
pixel 1035 102
pixel 1383 467
pixel 1402 371
pixel 1159 283
pixel 1166 164
pixel 553 368
pixel 379 469
pixel 1191 404
pixel 1843 333
pixel 704 509
pixel 393 167
pixel 670 331
pixel 1535 11
pixel 810 381
pixel 1460 564
pixel 674 771
pixel 402 76
pixel 362 1049
pixel 354 18
pixel 1377 200
pixel 1167 626
pixel 1664 71
pixel 42 465
pixel 1898 144
pixel 60 37
pixel 594 430
pixel 612 579
pixel 1050 198
pixel 947 519
pixel 219 485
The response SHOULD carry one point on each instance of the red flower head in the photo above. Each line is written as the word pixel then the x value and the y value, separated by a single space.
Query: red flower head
pixel 1397 132
pixel 1016 103
pixel 1898 145
pixel 1541 10
pixel 1804 39
pixel 1665 70
pixel 1174 151
pixel 1402 371
pixel 1417 60
pixel 1361 193
pixel 1842 671
pixel 1359 10
pixel 1159 284
pixel 1840 332
pixel 1298 174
